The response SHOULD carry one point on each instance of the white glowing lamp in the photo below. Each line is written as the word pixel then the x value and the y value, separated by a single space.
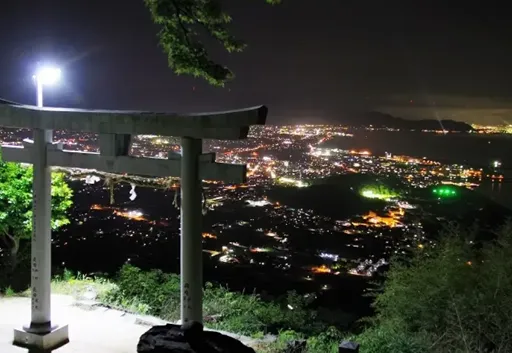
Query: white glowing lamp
pixel 47 75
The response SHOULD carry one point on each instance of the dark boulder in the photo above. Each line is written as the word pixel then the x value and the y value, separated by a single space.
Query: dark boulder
pixel 189 338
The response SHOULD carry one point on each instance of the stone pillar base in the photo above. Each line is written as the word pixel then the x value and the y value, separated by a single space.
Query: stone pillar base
pixel 56 338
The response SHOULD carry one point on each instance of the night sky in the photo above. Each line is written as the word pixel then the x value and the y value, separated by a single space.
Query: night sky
pixel 308 60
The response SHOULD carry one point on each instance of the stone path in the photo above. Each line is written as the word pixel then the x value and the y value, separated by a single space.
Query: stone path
pixel 92 328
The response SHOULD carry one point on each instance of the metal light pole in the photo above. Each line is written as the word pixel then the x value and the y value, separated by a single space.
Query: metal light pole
pixel 40 322
pixel 45 76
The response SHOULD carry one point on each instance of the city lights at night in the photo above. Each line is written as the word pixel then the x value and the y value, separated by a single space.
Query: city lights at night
pixel 268 176
pixel 271 219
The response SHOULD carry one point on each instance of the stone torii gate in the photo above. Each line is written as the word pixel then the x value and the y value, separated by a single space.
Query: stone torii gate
pixel 115 129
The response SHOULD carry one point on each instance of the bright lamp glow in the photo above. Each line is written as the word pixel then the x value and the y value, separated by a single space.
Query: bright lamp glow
pixel 48 75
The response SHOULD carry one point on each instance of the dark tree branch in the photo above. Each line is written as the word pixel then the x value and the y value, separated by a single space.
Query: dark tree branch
pixel 185 53
pixel 186 31
pixel 13 243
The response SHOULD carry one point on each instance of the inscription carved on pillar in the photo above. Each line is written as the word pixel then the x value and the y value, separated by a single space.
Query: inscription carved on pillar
pixel 34 216
pixel 187 299
pixel 34 263
pixel 35 277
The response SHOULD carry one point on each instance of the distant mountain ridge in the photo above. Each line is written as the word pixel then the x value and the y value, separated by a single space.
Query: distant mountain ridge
pixel 382 120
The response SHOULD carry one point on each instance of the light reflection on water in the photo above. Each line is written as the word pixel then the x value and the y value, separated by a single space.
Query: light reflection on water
pixel 499 192
pixel 473 149
pixel 476 150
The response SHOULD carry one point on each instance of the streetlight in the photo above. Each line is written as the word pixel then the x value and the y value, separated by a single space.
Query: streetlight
pixel 45 76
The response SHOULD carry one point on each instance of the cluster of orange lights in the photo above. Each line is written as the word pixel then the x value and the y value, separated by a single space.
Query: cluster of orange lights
pixel 391 220
pixel 496 177
pixel 472 173
pixel 321 269
pixel 256 250
pixel 242 150
pixel 407 159
pixel 135 216
pixel 234 187
pixel 132 215
pixel 362 153
pixel 209 236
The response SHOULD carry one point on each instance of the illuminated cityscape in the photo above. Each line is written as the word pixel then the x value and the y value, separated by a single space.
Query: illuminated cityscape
pixel 263 176
pixel 258 225
pixel 492 129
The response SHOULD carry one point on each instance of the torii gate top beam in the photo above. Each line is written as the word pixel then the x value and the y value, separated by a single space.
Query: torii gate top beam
pixel 227 125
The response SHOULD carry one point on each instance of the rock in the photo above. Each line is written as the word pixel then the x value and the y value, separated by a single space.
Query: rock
pixel 348 346
pixel 212 318
pixel 296 346
pixel 189 338
pixel 192 331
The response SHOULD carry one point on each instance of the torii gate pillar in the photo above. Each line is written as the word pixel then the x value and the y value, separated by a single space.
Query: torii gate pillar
pixel 41 332
pixel 191 252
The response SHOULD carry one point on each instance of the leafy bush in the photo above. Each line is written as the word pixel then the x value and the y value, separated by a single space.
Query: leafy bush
pixel 457 297
pixel 9 292
pixel 158 294
pixel 284 337
pixel 386 338
pixel 325 342
pixel 79 284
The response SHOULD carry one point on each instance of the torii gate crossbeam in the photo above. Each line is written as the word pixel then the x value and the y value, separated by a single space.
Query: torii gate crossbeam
pixel 115 129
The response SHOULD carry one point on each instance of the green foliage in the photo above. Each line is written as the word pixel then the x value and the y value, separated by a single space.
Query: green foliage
pixel 258 335
pixel 16 200
pixel 16 215
pixel 180 21
pixel 386 338
pixel 77 284
pixel 62 200
pixel 326 342
pixel 9 292
pixel 284 337
pixel 67 275
pixel 157 293
pixel 248 314
pixel 456 297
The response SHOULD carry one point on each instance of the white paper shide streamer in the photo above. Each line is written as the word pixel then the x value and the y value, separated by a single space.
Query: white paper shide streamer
pixel 91 179
pixel 133 195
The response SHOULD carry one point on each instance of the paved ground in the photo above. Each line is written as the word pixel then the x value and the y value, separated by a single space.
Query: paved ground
pixel 92 329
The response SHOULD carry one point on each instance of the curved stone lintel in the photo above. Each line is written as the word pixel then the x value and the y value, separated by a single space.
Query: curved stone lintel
pixel 229 125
